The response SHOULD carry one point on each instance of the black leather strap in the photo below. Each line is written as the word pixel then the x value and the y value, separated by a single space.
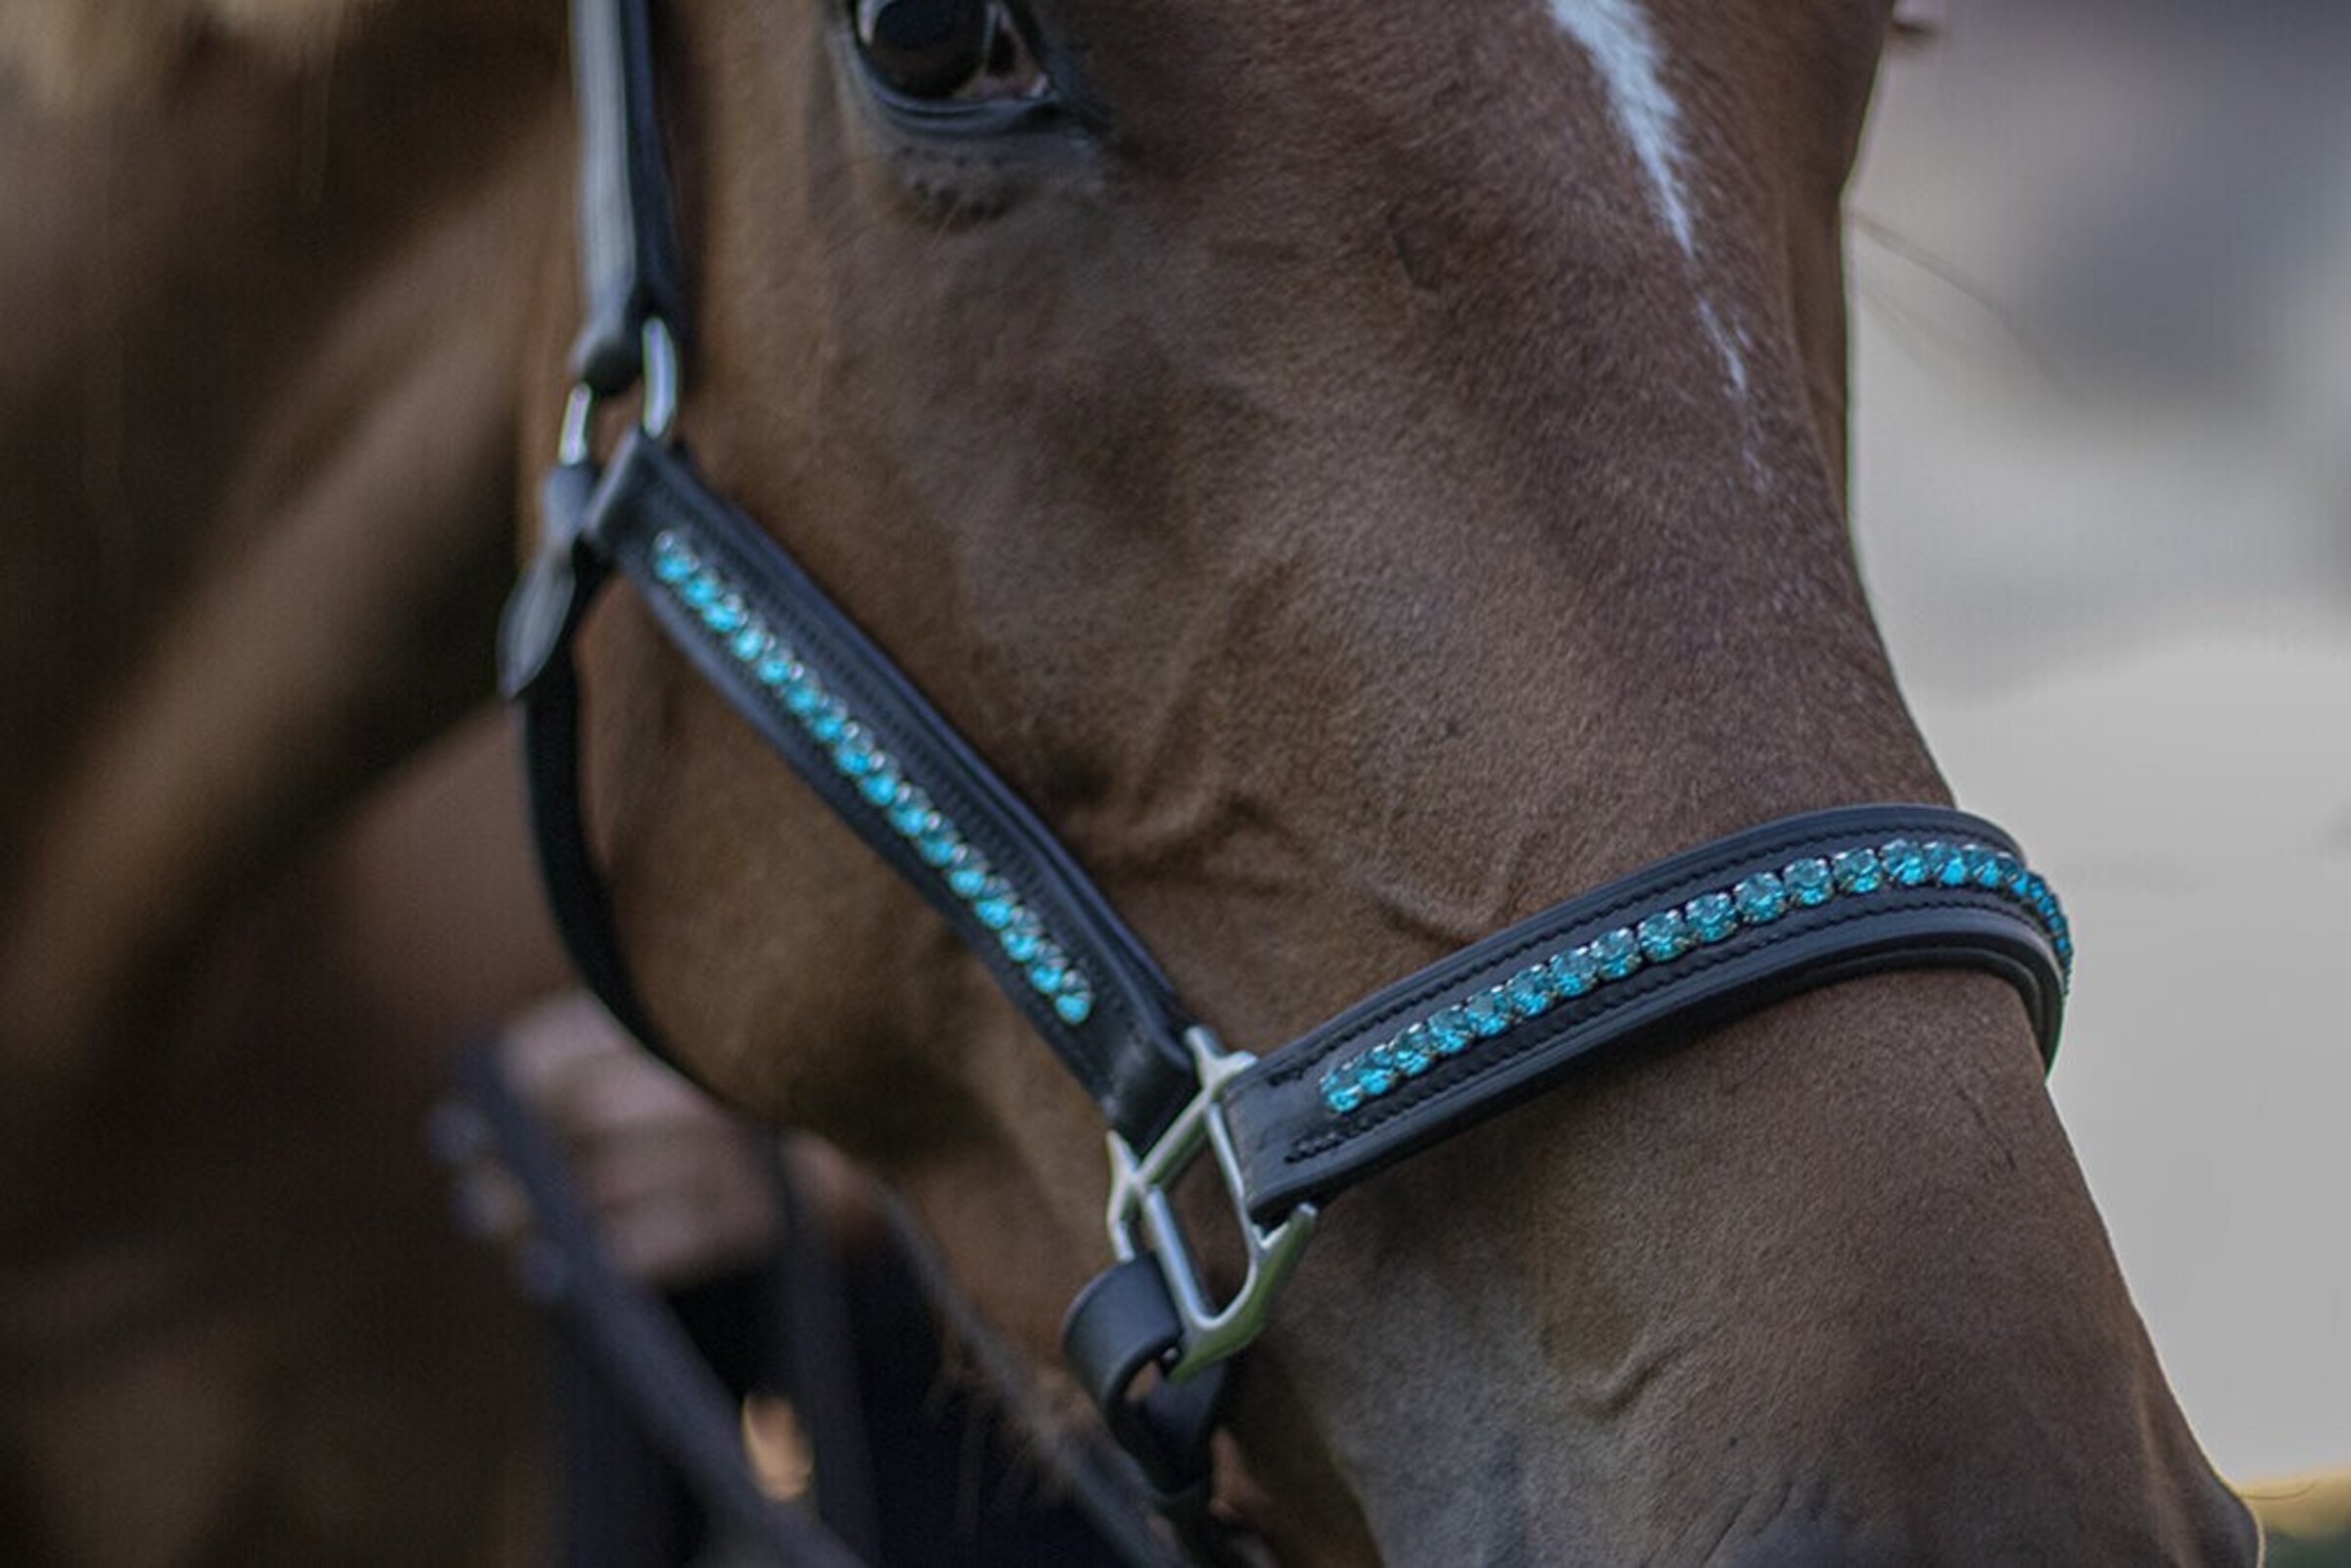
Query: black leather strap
pixel 629 255
pixel 536 670
pixel 1118 1329
pixel 1294 1149
pixel 639 1348
pixel 1126 1051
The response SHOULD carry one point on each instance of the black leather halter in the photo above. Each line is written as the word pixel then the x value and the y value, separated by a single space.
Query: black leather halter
pixel 1716 931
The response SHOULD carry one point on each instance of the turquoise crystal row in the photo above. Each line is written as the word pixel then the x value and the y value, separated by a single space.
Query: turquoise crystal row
pixel 1667 934
pixel 881 782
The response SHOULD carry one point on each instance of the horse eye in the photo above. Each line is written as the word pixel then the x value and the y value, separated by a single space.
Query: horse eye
pixel 947 51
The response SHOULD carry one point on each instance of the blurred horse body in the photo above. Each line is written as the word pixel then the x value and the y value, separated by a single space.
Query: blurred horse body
pixel 257 528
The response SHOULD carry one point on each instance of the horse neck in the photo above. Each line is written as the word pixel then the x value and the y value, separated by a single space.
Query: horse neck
pixel 262 465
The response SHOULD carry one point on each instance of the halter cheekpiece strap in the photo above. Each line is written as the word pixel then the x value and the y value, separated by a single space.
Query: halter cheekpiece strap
pixel 1707 935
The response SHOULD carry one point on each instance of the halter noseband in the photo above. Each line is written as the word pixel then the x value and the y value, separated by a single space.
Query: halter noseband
pixel 1705 936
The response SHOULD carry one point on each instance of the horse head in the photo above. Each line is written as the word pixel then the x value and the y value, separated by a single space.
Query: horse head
pixel 1362 474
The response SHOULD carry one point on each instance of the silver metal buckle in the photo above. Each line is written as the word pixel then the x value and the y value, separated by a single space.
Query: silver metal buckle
pixel 1138 1193
pixel 657 415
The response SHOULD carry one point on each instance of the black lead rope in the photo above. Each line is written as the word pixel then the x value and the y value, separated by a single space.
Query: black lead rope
pixel 634 1385
pixel 638 1349
pixel 1703 936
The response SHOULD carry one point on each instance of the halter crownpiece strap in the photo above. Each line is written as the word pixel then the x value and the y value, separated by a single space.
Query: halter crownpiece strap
pixel 630 269
pixel 1709 934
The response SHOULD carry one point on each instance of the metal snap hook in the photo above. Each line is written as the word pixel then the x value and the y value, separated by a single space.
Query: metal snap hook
pixel 1142 1217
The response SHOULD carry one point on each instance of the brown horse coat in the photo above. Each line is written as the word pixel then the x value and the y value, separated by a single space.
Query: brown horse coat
pixel 256 410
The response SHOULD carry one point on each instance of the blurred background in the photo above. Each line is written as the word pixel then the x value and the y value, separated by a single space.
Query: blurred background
pixel 2101 269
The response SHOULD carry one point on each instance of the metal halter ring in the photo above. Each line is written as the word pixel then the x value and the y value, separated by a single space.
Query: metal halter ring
pixel 1138 1192
pixel 658 415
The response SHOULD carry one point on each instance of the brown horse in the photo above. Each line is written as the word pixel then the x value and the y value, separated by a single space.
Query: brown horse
pixel 1382 473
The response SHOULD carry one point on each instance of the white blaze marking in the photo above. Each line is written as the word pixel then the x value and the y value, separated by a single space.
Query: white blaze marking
pixel 1726 343
pixel 1617 34
pixel 1624 48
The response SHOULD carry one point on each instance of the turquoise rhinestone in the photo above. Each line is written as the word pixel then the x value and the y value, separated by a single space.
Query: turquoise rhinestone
pixel 1664 936
pixel 1810 883
pixel 749 643
pixel 1946 864
pixel 727 615
pixel 855 755
pixel 1488 1012
pixel 1713 915
pixel 854 752
pixel 2045 905
pixel 700 591
pixel 1906 862
pixel 827 719
pixel 1857 871
pixel 773 670
pixel 967 871
pixel 1382 1060
pixel 1573 972
pixel 1024 941
pixel 1374 1077
pixel 2014 874
pixel 1531 991
pixel 1047 971
pixel 910 812
pixel 881 786
pixel 1983 865
pixel 1616 954
pixel 1450 1031
pixel 1414 1052
pixel 1076 1003
pixel 995 904
pixel 1761 898
pixel 1342 1091
pixel 804 694
pixel 673 562
pixel 937 842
